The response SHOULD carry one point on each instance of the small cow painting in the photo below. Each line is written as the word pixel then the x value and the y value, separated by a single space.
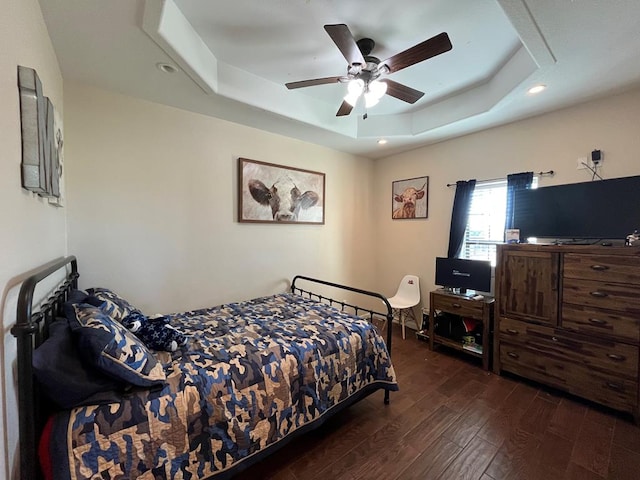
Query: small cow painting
pixel 273 193
pixel 409 198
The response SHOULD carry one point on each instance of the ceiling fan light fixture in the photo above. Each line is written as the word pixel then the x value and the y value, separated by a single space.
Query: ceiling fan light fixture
pixel 378 88
pixel 351 99
pixel 363 69
pixel 374 92
pixel 356 87
pixel 370 99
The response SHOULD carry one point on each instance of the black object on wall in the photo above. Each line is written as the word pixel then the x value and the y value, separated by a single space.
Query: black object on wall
pixel 605 209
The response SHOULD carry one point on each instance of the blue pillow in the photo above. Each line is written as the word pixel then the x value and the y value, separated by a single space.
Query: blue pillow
pixel 111 348
pixel 65 378
pixel 79 296
pixel 114 305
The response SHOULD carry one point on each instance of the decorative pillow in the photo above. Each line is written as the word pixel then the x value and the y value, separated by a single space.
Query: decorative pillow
pixel 114 305
pixel 156 333
pixel 80 296
pixel 65 378
pixel 111 348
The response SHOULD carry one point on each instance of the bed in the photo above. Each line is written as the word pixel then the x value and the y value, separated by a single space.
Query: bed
pixel 252 376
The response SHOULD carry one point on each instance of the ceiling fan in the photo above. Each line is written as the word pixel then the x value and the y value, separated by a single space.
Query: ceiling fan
pixel 364 71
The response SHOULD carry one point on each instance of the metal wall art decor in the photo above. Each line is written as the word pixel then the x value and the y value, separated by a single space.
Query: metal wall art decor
pixel 269 193
pixel 41 138
pixel 410 198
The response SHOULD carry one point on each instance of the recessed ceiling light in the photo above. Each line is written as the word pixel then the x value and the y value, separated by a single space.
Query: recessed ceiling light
pixel 536 89
pixel 382 141
pixel 166 68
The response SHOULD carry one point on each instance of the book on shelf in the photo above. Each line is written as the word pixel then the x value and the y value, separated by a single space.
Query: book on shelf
pixel 473 347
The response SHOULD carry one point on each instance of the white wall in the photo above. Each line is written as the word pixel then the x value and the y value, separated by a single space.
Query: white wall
pixel 549 142
pixel 33 232
pixel 152 205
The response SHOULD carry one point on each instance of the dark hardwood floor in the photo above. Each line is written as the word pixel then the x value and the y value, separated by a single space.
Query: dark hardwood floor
pixel 452 420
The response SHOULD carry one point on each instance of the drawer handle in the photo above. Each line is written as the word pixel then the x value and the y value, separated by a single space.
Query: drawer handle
pixel 599 268
pixel 618 387
pixel 513 354
pixel 617 358
pixel 555 339
pixel 456 305
pixel 597 321
pixel 512 331
pixel 598 294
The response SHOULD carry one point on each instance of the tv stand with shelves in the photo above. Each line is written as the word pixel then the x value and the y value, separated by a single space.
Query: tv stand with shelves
pixel 444 303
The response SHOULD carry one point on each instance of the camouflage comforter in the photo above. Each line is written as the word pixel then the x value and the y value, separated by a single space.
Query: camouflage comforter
pixel 252 373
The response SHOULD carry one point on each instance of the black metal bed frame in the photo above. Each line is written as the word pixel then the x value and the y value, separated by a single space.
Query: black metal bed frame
pixel 388 315
pixel 32 329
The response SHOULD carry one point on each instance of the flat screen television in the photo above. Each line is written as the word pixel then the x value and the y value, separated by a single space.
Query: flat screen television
pixel 598 210
pixel 461 274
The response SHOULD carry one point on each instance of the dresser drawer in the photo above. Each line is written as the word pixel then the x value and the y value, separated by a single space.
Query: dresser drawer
pixel 608 268
pixel 616 392
pixel 601 323
pixel 601 294
pixel 595 353
pixel 459 306
pixel 517 330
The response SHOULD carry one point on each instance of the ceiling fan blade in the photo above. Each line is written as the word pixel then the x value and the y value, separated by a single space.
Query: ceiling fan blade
pixel 345 109
pixel 418 53
pixel 311 83
pixel 402 92
pixel 341 36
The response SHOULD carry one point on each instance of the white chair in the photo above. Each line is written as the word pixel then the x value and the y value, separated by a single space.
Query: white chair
pixel 407 297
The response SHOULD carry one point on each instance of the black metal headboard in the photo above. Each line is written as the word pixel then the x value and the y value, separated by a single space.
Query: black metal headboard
pixel 30 330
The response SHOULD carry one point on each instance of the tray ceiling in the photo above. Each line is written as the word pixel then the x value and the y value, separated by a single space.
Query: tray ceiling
pixel 233 59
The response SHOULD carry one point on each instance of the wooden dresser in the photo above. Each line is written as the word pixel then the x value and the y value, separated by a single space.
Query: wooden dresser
pixel 569 317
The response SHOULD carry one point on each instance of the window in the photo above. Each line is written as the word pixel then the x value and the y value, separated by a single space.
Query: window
pixel 485 226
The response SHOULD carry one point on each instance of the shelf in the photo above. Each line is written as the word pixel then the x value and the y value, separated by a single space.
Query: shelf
pixel 423 335
pixel 461 310
pixel 455 345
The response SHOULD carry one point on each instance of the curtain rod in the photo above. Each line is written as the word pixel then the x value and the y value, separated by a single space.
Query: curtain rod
pixel 550 172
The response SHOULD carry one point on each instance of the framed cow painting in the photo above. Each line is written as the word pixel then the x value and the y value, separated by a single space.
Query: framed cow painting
pixel 409 198
pixel 270 193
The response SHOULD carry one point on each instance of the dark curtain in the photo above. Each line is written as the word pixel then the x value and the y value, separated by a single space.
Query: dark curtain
pixel 460 216
pixel 515 182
